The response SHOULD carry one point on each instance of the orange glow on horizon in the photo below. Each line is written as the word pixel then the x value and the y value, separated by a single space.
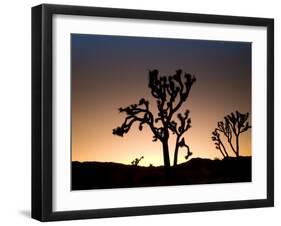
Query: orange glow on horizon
pixel 92 138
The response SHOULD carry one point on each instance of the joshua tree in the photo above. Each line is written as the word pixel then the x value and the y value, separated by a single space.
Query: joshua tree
pixel 170 93
pixel 136 161
pixel 234 124
pixel 219 145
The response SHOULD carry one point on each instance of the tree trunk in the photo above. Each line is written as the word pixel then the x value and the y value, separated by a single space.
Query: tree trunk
pixel 222 153
pixel 237 146
pixel 232 148
pixel 225 152
pixel 166 153
pixel 176 151
pixel 176 155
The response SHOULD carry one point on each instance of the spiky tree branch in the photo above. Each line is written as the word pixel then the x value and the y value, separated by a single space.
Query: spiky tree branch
pixel 218 143
pixel 179 129
pixel 226 130
pixel 188 152
pixel 138 113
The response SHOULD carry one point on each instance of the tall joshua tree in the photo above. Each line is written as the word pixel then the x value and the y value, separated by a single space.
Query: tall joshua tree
pixel 234 124
pixel 170 93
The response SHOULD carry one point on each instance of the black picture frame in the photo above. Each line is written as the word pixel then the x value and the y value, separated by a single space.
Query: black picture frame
pixel 42 112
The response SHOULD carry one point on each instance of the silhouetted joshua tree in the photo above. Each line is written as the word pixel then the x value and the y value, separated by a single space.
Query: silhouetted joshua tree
pixel 170 93
pixel 234 124
pixel 136 161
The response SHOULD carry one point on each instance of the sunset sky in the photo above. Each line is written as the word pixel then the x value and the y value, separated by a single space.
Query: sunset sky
pixel 109 72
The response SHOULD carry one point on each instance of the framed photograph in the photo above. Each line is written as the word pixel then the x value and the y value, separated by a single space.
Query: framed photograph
pixel 145 112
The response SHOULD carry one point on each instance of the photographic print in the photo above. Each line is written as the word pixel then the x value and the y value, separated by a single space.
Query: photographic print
pixel 159 111
pixel 139 112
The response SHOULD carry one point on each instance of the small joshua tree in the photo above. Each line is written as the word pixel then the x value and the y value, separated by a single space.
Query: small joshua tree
pixel 170 93
pixel 234 124
pixel 136 161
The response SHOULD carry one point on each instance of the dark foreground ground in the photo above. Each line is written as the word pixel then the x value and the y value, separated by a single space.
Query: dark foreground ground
pixel 94 175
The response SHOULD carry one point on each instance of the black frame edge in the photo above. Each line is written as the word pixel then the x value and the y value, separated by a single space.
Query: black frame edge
pixel 151 210
pixel 270 112
pixel 41 205
pixel 156 15
pixel 36 156
pixel 42 112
